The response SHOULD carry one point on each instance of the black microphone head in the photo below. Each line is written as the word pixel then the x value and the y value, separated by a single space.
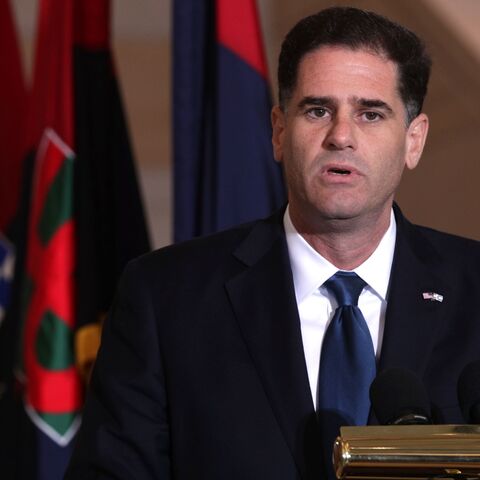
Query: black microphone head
pixel 399 397
pixel 468 389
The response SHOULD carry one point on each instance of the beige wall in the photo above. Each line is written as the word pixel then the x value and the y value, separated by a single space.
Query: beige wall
pixel 442 192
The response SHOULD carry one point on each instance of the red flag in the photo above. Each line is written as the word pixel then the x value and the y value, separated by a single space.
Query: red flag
pixel 13 101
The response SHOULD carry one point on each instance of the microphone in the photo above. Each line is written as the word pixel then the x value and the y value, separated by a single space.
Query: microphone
pixel 468 390
pixel 399 397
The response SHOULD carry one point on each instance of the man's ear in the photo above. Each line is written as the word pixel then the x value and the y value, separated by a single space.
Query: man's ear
pixel 277 117
pixel 416 136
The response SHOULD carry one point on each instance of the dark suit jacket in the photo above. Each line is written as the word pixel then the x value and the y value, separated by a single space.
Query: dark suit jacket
pixel 201 373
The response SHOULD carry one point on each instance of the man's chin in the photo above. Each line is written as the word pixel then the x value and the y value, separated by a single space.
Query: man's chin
pixel 352 214
pixel 341 212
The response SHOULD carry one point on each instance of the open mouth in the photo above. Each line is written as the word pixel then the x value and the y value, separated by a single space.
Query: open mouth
pixel 339 171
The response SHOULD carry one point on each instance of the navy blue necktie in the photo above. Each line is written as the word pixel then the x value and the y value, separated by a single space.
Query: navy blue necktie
pixel 347 363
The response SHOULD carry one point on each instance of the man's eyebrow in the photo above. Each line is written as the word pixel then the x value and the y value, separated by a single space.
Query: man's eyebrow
pixel 316 101
pixel 373 103
pixel 328 101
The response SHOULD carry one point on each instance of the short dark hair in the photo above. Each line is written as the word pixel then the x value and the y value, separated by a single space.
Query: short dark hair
pixel 358 29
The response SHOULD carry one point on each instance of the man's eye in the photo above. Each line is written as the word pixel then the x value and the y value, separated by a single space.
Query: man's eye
pixel 372 116
pixel 318 112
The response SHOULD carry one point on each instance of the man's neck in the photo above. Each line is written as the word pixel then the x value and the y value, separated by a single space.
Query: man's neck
pixel 345 243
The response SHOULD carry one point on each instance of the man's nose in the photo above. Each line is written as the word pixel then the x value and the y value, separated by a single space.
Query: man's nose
pixel 341 134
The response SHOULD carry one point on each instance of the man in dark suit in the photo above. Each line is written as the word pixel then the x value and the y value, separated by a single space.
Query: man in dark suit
pixel 210 356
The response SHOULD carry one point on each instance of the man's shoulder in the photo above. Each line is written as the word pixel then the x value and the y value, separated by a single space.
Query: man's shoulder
pixel 447 255
pixel 448 240
pixel 207 254
pixel 442 242
pixel 459 252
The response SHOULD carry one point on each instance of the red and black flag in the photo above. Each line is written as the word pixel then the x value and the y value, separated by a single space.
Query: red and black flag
pixel 223 163
pixel 111 226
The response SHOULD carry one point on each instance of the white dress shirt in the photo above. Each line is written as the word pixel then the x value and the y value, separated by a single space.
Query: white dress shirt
pixel 315 305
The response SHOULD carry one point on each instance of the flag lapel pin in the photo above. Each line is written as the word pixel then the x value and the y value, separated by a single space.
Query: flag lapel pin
pixel 432 296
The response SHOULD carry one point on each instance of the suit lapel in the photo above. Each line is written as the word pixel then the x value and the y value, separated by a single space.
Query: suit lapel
pixel 411 320
pixel 263 300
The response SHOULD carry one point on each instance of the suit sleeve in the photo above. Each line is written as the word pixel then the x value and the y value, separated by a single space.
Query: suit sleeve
pixel 125 432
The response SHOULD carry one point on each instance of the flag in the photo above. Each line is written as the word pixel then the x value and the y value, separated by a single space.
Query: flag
pixel 53 389
pixel 86 221
pixel 108 207
pixel 13 101
pixel 224 171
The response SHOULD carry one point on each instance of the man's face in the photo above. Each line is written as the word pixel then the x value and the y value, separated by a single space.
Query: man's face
pixel 343 138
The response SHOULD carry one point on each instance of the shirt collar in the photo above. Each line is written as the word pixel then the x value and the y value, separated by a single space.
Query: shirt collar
pixel 310 270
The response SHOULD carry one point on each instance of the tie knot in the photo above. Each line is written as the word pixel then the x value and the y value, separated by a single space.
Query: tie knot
pixel 346 287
